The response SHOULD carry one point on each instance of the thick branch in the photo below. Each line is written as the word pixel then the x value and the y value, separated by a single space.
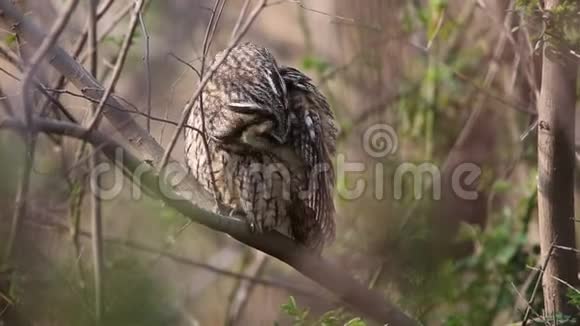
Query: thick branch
pixel 556 117
pixel 330 276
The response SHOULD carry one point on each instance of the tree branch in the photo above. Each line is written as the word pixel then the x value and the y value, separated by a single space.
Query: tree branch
pixel 144 144
pixel 556 164
pixel 368 302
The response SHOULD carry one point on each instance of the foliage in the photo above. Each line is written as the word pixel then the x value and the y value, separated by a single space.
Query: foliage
pixel 132 297
pixel 473 289
pixel 300 316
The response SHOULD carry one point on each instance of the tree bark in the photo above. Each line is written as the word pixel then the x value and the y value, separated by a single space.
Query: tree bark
pixel 556 114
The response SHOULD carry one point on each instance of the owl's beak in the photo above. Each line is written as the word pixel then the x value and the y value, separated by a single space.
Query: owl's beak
pixel 280 132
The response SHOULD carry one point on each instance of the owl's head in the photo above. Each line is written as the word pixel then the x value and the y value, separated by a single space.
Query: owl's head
pixel 254 91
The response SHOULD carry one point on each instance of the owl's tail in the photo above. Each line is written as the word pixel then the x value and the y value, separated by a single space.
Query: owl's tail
pixel 308 229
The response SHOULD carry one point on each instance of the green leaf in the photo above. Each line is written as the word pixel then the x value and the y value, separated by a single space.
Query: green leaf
pixel 10 39
pixel 316 64
pixel 501 186
pixel 355 322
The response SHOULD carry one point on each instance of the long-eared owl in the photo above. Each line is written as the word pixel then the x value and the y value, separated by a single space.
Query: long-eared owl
pixel 271 138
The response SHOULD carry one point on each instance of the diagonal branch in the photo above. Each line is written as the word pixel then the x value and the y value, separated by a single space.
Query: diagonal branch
pixel 330 276
pixel 141 141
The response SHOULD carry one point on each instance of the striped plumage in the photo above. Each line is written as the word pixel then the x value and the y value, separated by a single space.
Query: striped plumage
pixel 271 138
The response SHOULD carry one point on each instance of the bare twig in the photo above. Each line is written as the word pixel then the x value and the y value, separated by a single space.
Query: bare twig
pixel 335 18
pixel 488 79
pixel 212 25
pixel 6 104
pixel 82 40
pixel 9 55
pixel 173 88
pixel 132 132
pixel 119 63
pixel 30 71
pixel 147 69
pixel 540 275
pixel 241 17
pixel 148 249
pixel 437 29
pixel 476 112
pixel 206 79
pixel 60 83
pixel 122 109
pixel 189 65
pixel 95 185
pixel 120 15
pixel 522 298
pixel 244 289
pixel 97 239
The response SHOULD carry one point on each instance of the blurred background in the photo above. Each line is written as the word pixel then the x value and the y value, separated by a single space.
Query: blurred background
pixel 457 81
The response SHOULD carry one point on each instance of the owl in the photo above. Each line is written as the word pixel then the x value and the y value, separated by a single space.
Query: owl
pixel 270 139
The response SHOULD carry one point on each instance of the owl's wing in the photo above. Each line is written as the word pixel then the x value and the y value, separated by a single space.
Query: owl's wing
pixel 300 88
pixel 314 140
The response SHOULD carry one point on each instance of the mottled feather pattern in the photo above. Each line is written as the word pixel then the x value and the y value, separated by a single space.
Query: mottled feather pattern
pixel 271 138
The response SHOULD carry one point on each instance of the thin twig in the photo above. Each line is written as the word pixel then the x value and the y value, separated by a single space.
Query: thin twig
pixel 205 80
pixel 9 55
pixel 475 113
pixel 97 238
pixel 95 179
pixel 521 297
pixel 80 44
pixel 38 85
pixel 241 17
pixel 537 284
pixel 6 103
pixel 437 29
pixel 121 109
pixel 115 21
pixel 141 141
pixel 119 64
pixel 145 248
pixel 244 289
pixel 27 82
pixel 212 25
pixel 147 69
pixel 189 65
pixel 173 88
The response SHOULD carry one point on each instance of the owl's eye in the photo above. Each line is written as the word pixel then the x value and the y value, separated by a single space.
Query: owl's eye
pixel 244 107
pixel 249 108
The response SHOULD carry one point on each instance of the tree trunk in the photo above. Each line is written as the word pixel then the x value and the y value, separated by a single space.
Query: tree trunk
pixel 556 173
